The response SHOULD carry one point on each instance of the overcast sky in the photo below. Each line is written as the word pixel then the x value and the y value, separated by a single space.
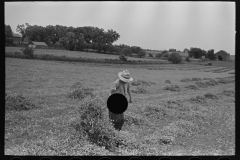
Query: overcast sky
pixel 150 25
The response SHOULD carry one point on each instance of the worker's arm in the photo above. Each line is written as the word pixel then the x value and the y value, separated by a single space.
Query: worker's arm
pixel 112 89
pixel 129 93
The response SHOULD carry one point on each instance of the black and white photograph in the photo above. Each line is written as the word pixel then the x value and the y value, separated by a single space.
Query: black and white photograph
pixel 119 78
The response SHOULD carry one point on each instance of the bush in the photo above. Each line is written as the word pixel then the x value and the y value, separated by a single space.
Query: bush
pixel 166 55
pixel 175 58
pixel 78 91
pixel 28 51
pixel 141 54
pixel 159 55
pixel 150 55
pixel 187 59
pixel 122 58
pixel 17 102
pixel 126 52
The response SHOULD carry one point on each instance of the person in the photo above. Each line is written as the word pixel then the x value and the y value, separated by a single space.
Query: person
pixel 122 86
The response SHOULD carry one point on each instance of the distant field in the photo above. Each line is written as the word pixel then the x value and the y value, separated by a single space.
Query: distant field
pixel 77 54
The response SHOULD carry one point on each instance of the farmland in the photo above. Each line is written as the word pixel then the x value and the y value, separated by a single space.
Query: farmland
pixel 193 105
pixel 77 54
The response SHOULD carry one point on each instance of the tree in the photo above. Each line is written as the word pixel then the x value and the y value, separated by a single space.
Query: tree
pixel 141 54
pixel 196 52
pixel 8 35
pixel 135 49
pixel 211 55
pixel 127 52
pixel 175 58
pixel 22 29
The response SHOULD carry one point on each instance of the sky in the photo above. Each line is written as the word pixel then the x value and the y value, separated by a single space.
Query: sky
pixel 149 25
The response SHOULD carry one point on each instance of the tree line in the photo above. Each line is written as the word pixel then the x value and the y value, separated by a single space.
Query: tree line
pixel 75 38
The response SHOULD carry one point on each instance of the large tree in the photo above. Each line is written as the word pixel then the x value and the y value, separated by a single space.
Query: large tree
pixel 22 29
pixel 8 34
pixel 210 54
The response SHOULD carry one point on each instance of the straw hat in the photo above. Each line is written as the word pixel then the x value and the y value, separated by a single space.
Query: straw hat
pixel 125 76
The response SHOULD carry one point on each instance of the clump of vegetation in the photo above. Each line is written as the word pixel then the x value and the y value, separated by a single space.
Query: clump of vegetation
pixel 187 59
pixel 208 64
pixel 28 51
pixel 201 84
pixel 122 58
pixel 139 90
pixel 208 79
pixel 225 80
pixel 175 105
pixel 168 81
pixel 175 88
pixel 191 87
pixel 210 96
pixel 18 102
pixel 129 120
pixel 78 91
pixel 92 125
pixel 174 58
pixel 186 80
pixel 141 82
pixel 229 93
pixel 198 99
pixel 211 82
pixel 196 79
pixel 150 55
pixel 159 55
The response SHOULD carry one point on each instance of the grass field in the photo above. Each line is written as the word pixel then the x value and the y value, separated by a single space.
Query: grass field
pixel 77 54
pixel 199 119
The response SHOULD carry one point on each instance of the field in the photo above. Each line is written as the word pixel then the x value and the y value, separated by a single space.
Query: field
pixel 77 54
pixel 192 106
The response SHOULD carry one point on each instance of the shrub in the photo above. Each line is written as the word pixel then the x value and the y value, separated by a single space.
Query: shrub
pixel 166 55
pixel 78 91
pixel 159 55
pixel 150 55
pixel 187 59
pixel 28 51
pixel 18 102
pixel 175 58
pixel 126 52
pixel 122 58
pixel 175 88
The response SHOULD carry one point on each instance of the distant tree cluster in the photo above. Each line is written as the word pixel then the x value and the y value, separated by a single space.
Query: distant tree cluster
pixel 198 53
pixel 8 35
pixel 71 38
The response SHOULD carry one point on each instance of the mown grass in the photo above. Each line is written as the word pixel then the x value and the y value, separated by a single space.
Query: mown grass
pixel 65 126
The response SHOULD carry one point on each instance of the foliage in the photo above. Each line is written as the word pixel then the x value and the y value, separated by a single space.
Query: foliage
pixel 126 52
pixel 78 91
pixel 165 55
pixel 196 53
pixel 141 53
pixel 187 59
pixel 28 51
pixel 17 102
pixel 210 55
pixel 150 55
pixel 8 35
pixel 175 88
pixel 175 58
pixel 122 58
pixel 159 55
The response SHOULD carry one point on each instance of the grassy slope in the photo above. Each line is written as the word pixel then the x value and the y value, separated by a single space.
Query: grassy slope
pixel 47 83
pixel 76 54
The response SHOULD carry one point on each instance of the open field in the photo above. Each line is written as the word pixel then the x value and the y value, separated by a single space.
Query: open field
pixel 77 54
pixel 192 105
